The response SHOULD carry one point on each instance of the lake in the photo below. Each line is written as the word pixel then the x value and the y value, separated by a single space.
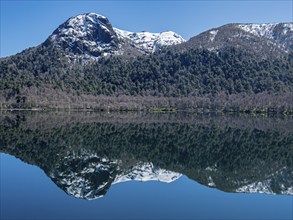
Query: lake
pixel 119 165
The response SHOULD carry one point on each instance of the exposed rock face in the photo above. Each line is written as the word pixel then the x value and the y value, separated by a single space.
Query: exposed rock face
pixel 88 35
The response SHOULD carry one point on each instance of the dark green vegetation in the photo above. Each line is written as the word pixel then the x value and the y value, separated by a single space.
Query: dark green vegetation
pixel 233 151
pixel 230 79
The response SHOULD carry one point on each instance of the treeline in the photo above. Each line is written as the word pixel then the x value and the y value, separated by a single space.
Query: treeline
pixel 192 74
pixel 48 98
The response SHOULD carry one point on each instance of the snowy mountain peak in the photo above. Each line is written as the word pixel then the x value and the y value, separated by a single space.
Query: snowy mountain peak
pixel 83 20
pixel 91 35
pixel 150 42
pixel 86 35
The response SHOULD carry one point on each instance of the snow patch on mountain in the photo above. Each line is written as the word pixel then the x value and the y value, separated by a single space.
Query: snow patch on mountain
pixel 150 42
pixel 213 34
pixel 166 39
pixel 260 30
pixel 287 27
pixel 268 31
pixel 144 171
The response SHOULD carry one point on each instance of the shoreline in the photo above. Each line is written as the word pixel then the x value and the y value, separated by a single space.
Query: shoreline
pixel 157 110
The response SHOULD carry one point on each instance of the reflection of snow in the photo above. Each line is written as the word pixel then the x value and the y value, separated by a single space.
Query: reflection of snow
pixel 89 176
pixel 269 185
pixel 211 182
pixel 147 171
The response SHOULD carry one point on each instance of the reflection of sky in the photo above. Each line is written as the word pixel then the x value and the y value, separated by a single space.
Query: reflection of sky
pixel 26 192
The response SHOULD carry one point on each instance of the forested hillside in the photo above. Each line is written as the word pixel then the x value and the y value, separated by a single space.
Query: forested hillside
pixel 228 68
pixel 192 73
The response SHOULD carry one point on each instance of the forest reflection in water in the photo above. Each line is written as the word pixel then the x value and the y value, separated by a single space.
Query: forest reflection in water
pixel 85 153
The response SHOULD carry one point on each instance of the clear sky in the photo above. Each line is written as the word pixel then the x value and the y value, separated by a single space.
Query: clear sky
pixel 28 23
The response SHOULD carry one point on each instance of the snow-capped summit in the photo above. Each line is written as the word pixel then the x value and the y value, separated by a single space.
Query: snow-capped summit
pixel 87 35
pixel 92 35
pixel 150 42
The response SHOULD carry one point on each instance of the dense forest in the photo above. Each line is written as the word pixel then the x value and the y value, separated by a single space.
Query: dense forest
pixel 230 79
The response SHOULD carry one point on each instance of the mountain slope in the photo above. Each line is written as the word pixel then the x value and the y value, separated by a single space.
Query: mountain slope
pixel 150 42
pixel 266 40
pixel 281 33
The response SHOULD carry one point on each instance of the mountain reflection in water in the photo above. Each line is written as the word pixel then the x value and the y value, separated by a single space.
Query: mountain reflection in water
pixel 85 153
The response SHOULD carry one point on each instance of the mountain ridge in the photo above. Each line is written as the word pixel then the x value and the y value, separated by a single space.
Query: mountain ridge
pixel 91 35
pixel 268 40
pixel 86 58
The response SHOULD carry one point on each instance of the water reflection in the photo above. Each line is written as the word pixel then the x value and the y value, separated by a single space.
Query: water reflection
pixel 85 153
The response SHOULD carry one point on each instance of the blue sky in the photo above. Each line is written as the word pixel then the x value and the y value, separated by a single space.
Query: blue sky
pixel 28 23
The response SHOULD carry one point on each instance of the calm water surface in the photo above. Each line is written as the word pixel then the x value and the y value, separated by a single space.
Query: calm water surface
pixel 70 165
